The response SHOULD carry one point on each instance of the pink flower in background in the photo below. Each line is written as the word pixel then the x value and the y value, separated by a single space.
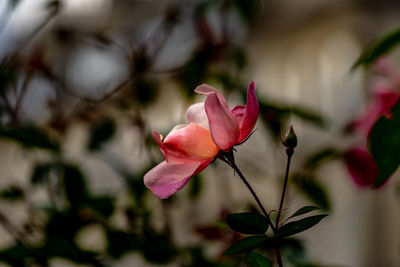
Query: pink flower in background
pixel 361 166
pixel 189 149
pixel 384 96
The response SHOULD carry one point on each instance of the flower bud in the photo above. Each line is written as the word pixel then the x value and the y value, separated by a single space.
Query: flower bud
pixel 290 138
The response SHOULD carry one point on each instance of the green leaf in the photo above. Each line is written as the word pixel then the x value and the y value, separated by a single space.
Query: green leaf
pixel 312 190
pixel 121 243
pixel 296 227
pixel 303 210
pixel 246 244
pixel 308 115
pixel 275 115
pixel 156 247
pixel 321 156
pixel 75 186
pixel 29 136
pixel 256 260
pixel 385 145
pixel 247 222
pixel 378 49
pixel 104 205
pixel 100 133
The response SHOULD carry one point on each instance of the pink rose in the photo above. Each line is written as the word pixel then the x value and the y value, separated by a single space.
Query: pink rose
pixel 189 149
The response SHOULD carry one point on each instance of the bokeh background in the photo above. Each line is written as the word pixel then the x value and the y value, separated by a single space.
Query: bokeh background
pixel 83 83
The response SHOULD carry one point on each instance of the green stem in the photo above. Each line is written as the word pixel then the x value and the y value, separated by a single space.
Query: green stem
pixel 289 152
pixel 228 158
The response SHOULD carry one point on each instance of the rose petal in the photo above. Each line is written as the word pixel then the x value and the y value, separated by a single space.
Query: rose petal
pixel 170 154
pixel 192 142
pixel 250 114
pixel 205 89
pixel 166 179
pixel 238 112
pixel 197 114
pixel 361 166
pixel 223 125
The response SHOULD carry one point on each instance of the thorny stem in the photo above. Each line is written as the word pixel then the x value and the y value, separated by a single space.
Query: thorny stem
pixel 229 159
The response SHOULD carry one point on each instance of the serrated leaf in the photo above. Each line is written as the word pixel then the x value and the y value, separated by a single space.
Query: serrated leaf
pixel 385 145
pixel 303 210
pixel 246 244
pixel 296 227
pixel 378 49
pixel 247 222
pixel 256 260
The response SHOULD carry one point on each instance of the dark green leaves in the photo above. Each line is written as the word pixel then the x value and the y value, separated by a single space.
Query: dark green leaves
pixel 378 49
pixel 385 145
pixel 246 245
pixel 303 210
pixel 29 137
pixel 296 227
pixel 101 132
pixel 256 260
pixel 75 186
pixel 247 222
pixel 120 243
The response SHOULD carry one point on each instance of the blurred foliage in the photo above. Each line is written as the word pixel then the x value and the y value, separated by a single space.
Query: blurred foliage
pixel 378 49
pixel 29 136
pixel 313 190
pixel 12 193
pixel 385 144
pixel 101 132
pixel 276 116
